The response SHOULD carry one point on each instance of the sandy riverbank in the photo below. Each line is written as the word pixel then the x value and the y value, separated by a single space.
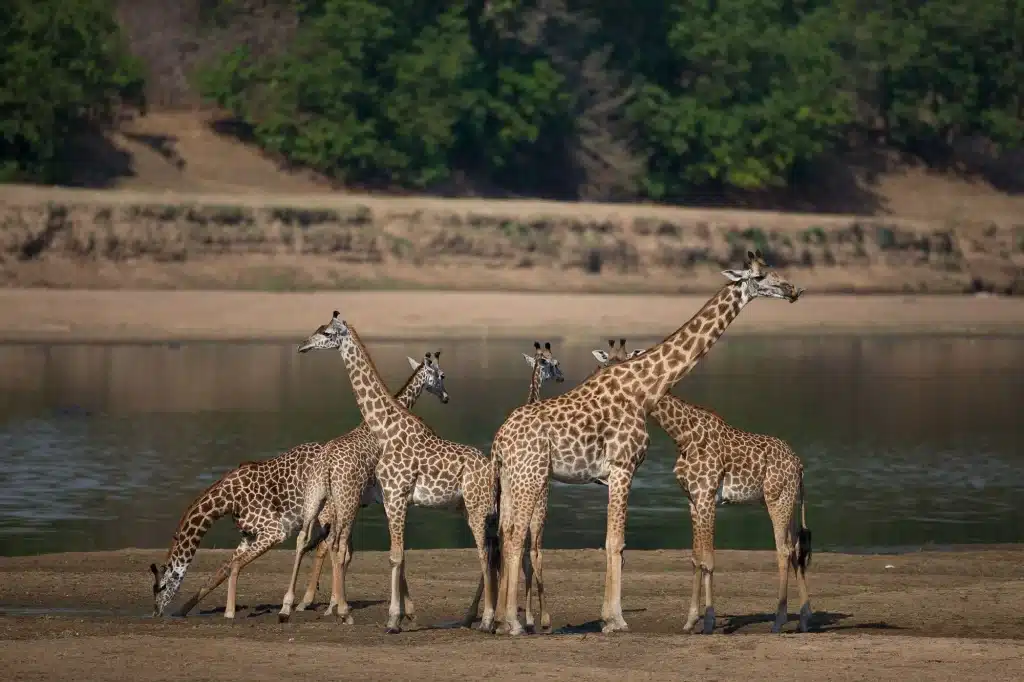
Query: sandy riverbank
pixel 926 616
pixel 48 316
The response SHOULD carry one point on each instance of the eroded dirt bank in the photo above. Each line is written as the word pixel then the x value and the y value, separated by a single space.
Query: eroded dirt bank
pixel 926 616
pixel 117 239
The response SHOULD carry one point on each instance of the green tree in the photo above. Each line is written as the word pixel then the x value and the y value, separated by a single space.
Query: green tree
pixel 386 93
pixel 757 91
pixel 63 66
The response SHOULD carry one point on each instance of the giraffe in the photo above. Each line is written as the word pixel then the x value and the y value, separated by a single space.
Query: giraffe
pixel 350 461
pixel 415 466
pixel 357 471
pixel 719 464
pixel 598 431
pixel 269 500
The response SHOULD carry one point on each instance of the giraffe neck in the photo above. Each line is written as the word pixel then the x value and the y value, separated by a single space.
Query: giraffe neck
pixel 212 504
pixel 535 382
pixel 382 413
pixel 661 367
pixel 413 389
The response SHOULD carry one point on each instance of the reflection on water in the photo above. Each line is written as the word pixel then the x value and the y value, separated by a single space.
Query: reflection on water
pixel 907 442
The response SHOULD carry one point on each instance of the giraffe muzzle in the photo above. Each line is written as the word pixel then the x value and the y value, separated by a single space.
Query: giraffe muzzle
pixel 444 398
pixel 797 292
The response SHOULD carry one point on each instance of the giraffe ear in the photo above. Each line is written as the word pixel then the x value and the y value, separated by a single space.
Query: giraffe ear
pixel 735 275
pixel 600 355
pixel 415 364
pixel 530 360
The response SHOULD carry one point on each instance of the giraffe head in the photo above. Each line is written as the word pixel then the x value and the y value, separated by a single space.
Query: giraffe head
pixel 327 336
pixel 433 375
pixel 614 355
pixel 166 581
pixel 757 280
pixel 549 366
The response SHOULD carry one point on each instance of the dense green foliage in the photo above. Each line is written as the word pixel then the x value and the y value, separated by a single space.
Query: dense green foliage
pixel 63 65
pixel 594 99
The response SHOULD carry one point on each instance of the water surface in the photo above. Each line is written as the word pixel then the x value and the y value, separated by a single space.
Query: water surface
pixel 907 442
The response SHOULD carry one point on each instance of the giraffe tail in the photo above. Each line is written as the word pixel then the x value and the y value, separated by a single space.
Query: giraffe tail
pixel 492 533
pixel 803 534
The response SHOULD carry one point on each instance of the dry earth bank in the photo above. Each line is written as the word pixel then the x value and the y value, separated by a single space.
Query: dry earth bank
pixel 926 616
pixel 116 239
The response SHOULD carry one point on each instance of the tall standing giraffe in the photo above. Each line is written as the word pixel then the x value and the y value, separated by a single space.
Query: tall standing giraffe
pixel 350 462
pixel 719 464
pixel 598 431
pixel 415 466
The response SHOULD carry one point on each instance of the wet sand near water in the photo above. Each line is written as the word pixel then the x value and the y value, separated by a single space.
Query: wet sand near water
pixel 54 316
pixel 927 616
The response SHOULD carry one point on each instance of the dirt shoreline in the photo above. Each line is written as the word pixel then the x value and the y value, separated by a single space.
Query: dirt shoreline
pixel 926 616
pixel 55 316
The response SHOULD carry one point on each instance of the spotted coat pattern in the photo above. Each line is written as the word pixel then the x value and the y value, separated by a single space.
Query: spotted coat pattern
pixel 351 461
pixel 598 431
pixel 416 466
pixel 268 501
pixel 718 464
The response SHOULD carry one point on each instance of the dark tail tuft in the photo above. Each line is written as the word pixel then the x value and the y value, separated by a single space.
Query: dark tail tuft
pixel 803 541
pixel 492 535
pixel 317 535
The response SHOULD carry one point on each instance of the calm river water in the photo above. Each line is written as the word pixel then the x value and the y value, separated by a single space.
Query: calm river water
pixel 907 442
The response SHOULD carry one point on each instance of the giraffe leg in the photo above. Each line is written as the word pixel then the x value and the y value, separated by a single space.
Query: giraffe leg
pixel 396 506
pixel 478 486
pixel 239 561
pixel 780 511
pixel 408 609
pixel 346 508
pixel 322 551
pixel 536 561
pixel 702 518
pixel 210 585
pixel 522 507
pixel 619 482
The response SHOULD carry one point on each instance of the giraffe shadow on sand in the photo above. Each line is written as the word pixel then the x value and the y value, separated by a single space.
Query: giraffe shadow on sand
pixel 264 609
pixel 820 621
pixel 591 626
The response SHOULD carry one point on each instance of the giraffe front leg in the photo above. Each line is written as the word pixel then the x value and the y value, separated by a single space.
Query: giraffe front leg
pixel 259 546
pixel 396 506
pixel 619 482
pixel 702 518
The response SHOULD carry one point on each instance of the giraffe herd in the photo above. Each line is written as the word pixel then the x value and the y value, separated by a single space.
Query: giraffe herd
pixel 594 433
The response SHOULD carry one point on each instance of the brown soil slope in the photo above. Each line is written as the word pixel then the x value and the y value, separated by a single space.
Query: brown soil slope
pixel 188 208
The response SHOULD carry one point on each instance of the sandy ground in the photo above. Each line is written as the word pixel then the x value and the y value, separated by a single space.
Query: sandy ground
pixel 925 616
pixel 48 316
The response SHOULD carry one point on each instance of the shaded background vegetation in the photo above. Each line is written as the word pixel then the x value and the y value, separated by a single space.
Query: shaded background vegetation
pixel 600 100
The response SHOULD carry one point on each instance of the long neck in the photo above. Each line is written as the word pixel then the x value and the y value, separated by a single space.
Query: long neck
pixel 381 412
pixel 412 390
pixel 535 382
pixel 210 505
pixel 661 367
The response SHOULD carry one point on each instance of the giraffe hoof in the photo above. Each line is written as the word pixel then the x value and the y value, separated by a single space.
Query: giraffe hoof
pixel 347 619
pixel 805 618
pixel 709 621
pixel 393 630
pixel 302 606
pixel 283 617
pixel 780 619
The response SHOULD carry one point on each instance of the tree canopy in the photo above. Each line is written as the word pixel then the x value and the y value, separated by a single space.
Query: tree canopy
pixel 558 98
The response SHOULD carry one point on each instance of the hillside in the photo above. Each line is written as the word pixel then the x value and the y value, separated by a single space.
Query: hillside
pixel 181 206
